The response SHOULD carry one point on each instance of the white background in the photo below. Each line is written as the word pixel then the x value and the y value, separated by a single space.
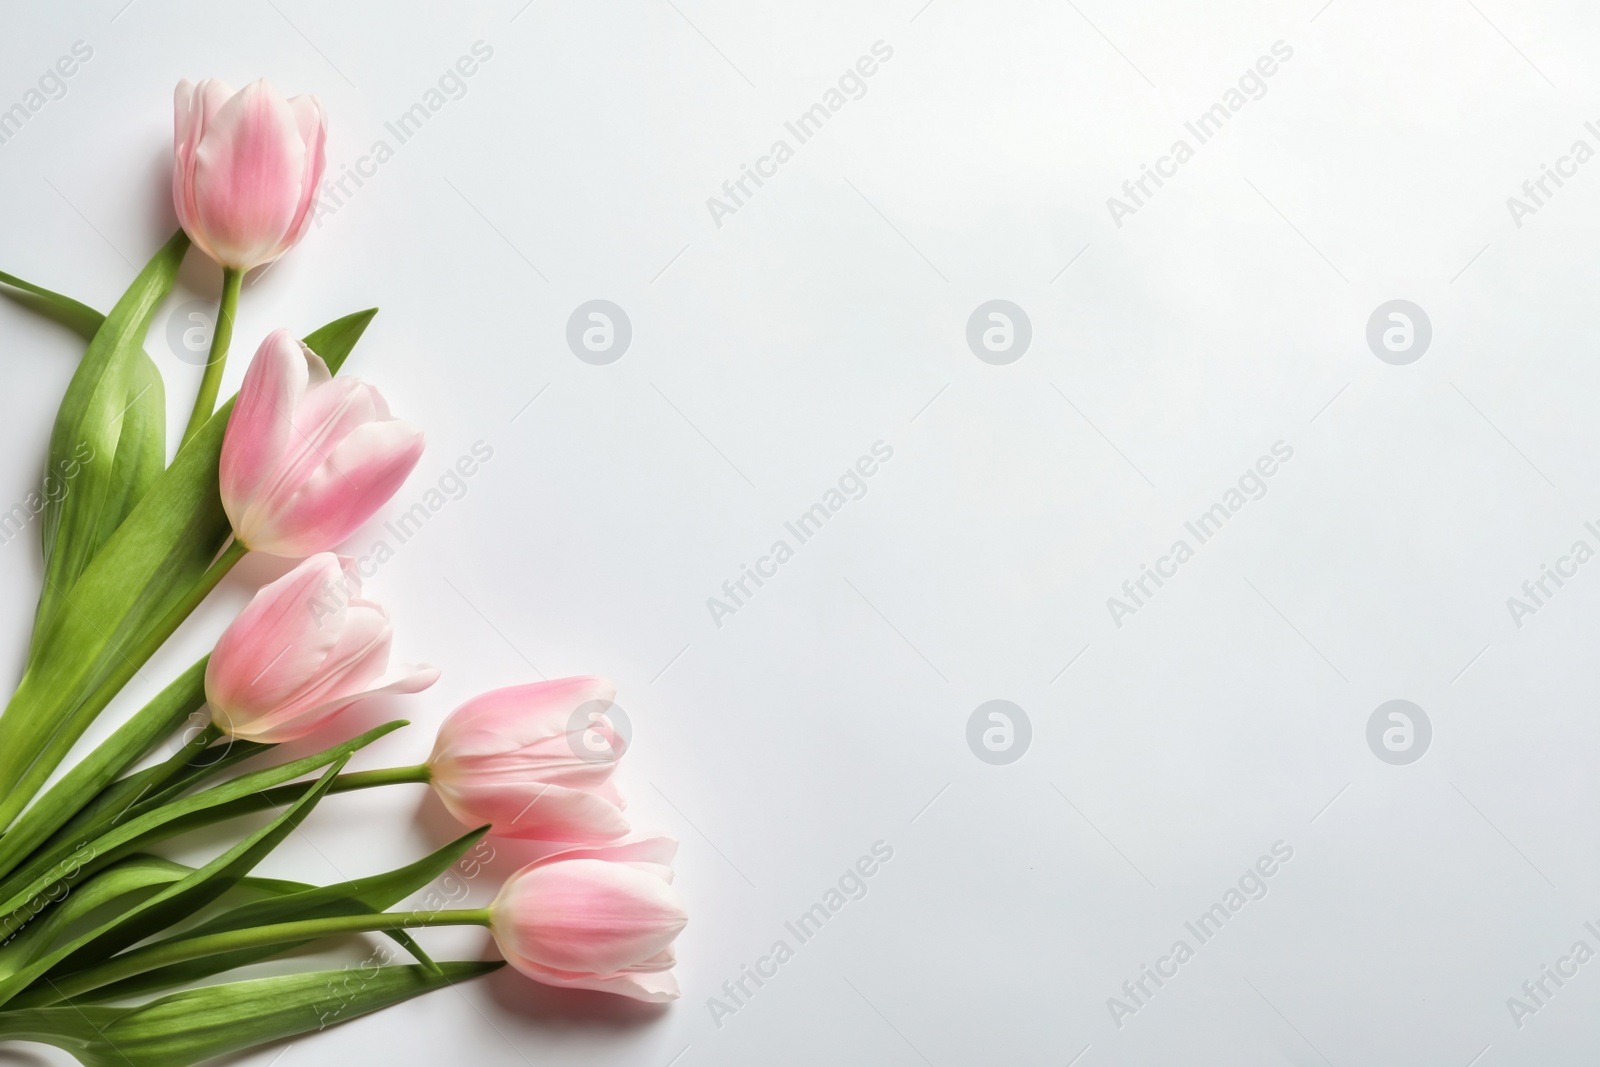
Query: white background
pixel 1228 313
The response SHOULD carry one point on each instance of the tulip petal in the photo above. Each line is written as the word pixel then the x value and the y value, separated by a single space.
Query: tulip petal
pixel 653 848
pixel 533 811
pixel 305 648
pixel 274 643
pixel 653 987
pixel 259 429
pixel 586 916
pixel 280 728
pixel 361 474
pixel 313 125
pixel 249 171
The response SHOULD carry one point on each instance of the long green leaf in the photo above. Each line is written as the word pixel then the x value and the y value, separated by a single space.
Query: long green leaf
pixel 175 902
pixel 80 318
pixel 200 1024
pixel 141 445
pixel 375 893
pixel 129 798
pixel 168 821
pixel 130 875
pixel 83 494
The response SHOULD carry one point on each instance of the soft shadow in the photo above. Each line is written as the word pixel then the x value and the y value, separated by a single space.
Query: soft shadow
pixel 276 1047
pixel 568 1010
pixel 434 821
pixel 11 1056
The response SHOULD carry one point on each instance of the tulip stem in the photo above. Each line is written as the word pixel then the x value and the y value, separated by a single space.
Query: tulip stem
pixel 221 337
pixel 387 776
pixel 282 796
pixel 180 949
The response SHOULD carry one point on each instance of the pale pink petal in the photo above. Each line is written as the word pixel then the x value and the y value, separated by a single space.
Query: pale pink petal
pixel 653 848
pixel 260 426
pixel 653 987
pixel 507 720
pixel 533 811
pixel 361 474
pixel 304 649
pixel 248 168
pixel 404 680
pixel 314 132
pixel 307 458
pixel 267 652
pixel 585 916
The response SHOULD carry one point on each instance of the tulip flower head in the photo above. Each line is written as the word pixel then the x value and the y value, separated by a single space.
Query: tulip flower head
pixel 601 918
pixel 535 762
pixel 308 457
pixel 247 166
pixel 296 657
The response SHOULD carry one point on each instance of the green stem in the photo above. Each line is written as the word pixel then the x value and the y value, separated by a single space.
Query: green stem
pixel 282 796
pixel 372 779
pixel 205 402
pixel 55 748
pixel 179 950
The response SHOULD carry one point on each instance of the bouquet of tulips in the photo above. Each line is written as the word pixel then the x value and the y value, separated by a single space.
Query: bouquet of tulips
pixel 107 949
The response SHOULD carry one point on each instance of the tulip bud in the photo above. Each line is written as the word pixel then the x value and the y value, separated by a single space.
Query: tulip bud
pixel 308 457
pixel 305 648
pixel 247 169
pixel 534 761
pixel 600 918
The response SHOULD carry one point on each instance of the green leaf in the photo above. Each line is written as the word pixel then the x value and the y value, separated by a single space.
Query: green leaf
pixel 200 1024
pixel 175 902
pixel 141 446
pixel 144 581
pixel 141 453
pixel 129 798
pixel 80 318
pixel 83 465
pixel 127 876
pixel 158 719
pixel 167 821
pixel 33 936
pixel 372 894
pixel 335 341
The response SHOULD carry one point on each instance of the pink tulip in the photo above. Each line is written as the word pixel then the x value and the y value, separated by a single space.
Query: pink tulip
pixel 308 457
pixel 305 648
pixel 599 918
pixel 247 169
pixel 534 761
